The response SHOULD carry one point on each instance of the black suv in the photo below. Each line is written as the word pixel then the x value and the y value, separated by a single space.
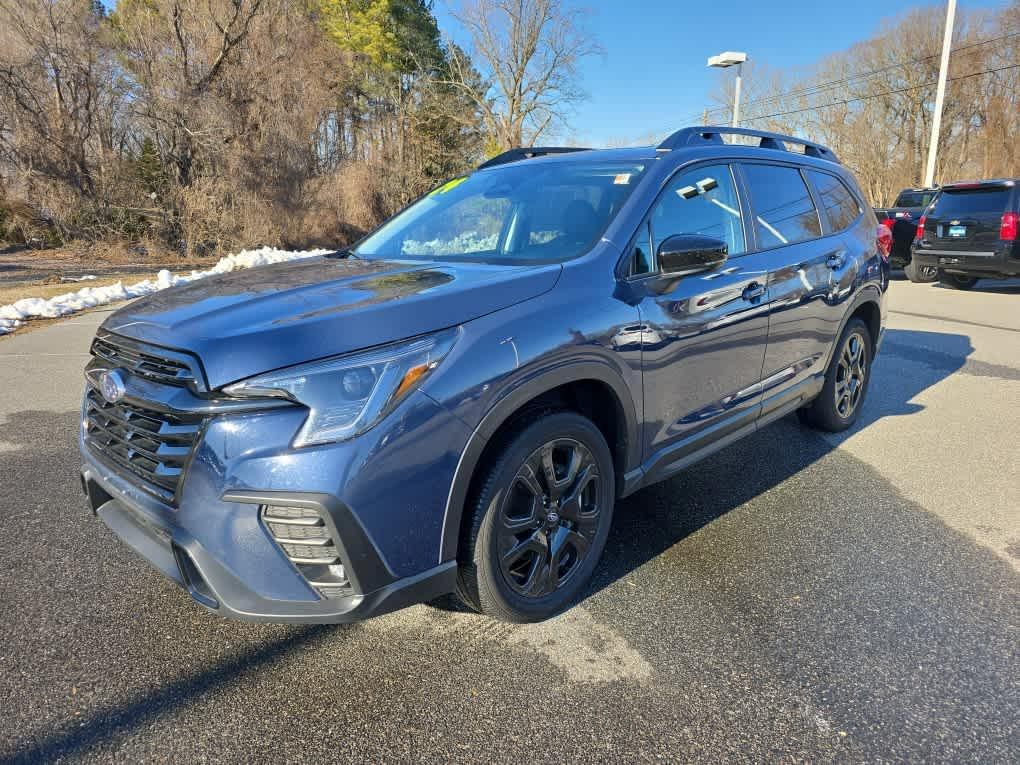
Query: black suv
pixel 969 232
pixel 902 220
pixel 457 402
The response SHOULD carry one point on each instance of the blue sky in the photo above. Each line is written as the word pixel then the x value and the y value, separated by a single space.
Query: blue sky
pixel 653 77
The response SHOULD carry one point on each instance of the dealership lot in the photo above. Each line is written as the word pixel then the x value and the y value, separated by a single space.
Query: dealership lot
pixel 794 597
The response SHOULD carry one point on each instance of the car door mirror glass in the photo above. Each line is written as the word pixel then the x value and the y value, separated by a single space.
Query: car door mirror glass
pixel 690 253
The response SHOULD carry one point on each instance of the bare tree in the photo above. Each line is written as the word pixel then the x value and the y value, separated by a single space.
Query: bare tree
pixel 873 103
pixel 528 54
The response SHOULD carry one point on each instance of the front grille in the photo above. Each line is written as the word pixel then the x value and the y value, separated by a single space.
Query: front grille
pixel 152 446
pixel 158 366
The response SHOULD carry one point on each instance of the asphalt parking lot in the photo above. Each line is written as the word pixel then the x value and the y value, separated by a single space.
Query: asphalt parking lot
pixel 794 598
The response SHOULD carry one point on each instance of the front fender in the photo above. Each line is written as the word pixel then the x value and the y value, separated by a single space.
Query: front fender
pixel 517 396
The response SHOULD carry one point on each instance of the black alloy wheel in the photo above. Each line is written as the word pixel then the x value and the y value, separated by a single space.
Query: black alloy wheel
pixel 539 519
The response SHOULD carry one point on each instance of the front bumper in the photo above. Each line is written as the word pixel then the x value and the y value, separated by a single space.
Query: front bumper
pixel 1003 261
pixel 184 560
pixel 383 495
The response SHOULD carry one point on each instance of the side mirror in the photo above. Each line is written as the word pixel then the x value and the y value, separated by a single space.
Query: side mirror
pixel 684 254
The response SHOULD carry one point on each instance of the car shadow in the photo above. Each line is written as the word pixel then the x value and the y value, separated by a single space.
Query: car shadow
pixel 1001 286
pixel 81 735
pixel 653 520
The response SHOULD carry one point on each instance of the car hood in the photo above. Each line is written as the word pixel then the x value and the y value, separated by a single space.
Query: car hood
pixel 247 322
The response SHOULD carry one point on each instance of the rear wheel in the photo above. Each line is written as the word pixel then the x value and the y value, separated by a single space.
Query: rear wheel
pixel 846 382
pixel 956 281
pixel 540 520
pixel 920 274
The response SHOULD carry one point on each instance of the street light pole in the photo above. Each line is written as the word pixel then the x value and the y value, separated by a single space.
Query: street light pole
pixel 940 94
pixel 723 61
pixel 736 97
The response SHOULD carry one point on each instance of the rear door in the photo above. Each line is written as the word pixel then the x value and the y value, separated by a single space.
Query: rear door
pixel 808 266
pixel 966 220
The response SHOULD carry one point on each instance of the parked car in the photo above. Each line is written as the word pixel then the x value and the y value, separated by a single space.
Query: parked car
pixel 902 219
pixel 970 232
pixel 456 403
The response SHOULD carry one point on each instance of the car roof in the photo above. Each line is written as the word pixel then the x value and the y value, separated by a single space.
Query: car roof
pixel 575 155
pixel 686 143
pixel 985 183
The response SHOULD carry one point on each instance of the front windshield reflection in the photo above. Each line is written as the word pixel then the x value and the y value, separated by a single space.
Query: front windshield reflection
pixel 521 213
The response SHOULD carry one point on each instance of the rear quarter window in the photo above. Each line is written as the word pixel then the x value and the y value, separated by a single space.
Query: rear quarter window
pixel 837 200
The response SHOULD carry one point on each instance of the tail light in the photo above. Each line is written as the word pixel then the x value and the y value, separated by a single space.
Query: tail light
pixel 887 222
pixel 884 240
pixel 1008 228
pixel 920 228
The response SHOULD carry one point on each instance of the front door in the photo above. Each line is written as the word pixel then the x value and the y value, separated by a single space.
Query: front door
pixel 703 335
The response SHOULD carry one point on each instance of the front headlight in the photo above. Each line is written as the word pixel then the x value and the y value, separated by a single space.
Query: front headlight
pixel 348 394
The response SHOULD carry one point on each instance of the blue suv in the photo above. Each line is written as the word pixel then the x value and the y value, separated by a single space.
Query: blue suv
pixel 455 404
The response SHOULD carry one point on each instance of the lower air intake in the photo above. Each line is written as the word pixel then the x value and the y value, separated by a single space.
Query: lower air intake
pixel 306 539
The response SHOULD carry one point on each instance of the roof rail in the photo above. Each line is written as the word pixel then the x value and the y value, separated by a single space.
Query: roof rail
pixel 528 152
pixel 693 136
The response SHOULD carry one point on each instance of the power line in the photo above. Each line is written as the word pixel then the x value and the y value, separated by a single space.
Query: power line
pixel 811 90
pixel 879 95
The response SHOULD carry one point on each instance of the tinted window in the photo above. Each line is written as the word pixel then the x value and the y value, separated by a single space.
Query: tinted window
pixel 913 199
pixel 840 205
pixel 783 210
pixel 972 201
pixel 700 201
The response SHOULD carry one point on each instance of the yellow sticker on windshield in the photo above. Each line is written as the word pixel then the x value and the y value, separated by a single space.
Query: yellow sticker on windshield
pixel 622 179
pixel 448 185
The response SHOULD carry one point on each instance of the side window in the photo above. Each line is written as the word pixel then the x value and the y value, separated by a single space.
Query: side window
pixel 840 204
pixel 782 206
pixel 699 201
pixel 641 252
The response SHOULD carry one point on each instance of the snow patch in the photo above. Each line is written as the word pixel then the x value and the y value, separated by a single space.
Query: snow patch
pixel 12 316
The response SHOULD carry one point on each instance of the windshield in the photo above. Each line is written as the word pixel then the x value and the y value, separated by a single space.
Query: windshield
pixel 518 213
pixel 914 199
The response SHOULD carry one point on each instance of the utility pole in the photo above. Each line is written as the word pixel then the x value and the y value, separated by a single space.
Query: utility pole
pixel 940 94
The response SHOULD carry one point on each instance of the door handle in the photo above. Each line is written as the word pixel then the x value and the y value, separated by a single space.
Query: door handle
pixel 836 259
pixel 753 291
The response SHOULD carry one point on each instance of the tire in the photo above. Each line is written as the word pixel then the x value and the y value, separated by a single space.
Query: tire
pixel 920 274
pixel 956 281
pixel 834 413
pixel 507 552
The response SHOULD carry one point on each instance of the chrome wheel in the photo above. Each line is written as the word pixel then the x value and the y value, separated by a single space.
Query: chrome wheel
pixel 928 273
pixel 851 373
pixel 549 518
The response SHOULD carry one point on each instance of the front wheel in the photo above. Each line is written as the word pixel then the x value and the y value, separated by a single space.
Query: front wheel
pixel 956 281
pixel 540 520
pixel 846 382
pixel 920 274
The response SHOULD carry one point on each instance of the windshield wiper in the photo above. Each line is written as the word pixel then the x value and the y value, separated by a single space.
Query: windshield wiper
pixel 344 253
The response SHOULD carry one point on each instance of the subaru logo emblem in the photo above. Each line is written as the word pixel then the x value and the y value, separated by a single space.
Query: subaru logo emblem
pixel 111 385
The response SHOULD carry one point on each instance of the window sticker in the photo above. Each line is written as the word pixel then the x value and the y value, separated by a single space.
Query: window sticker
pixel 448 186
